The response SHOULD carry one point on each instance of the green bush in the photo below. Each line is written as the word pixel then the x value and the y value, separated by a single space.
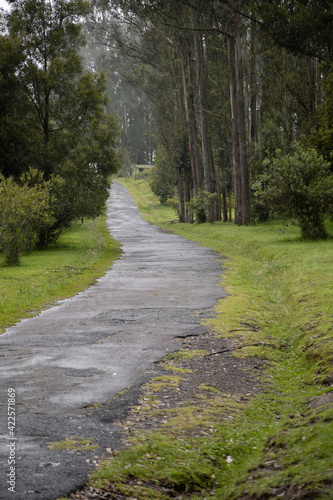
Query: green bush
pixel 163 175
pixel 299 186
pixel 201 203
pixel 24 210
pixel 143 175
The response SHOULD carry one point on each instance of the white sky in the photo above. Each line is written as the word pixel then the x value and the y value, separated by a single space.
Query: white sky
pixel 4 4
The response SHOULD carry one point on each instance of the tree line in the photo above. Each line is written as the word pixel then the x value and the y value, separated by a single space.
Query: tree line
pixel 237 96
pixel 58 143
pixel 231 101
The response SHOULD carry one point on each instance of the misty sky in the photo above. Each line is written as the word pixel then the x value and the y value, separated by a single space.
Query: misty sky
pixel 3 4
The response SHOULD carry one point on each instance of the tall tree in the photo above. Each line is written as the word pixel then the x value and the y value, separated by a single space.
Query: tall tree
pixel 240 160
pixel 66 103
pixel 208 163
pixel 17 117
pixel 257 61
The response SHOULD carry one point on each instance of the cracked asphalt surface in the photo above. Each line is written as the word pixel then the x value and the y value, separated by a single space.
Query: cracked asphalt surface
pixel 77 367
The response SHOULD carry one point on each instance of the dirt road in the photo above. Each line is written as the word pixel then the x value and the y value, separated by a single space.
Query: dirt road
pixel 69 365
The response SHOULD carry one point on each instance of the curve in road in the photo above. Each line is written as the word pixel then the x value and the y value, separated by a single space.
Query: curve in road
pixel 69 365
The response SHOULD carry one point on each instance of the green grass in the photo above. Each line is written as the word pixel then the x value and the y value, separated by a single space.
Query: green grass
pixel 73 443
pixel 147 203
pixel 280 294
pixel 61 270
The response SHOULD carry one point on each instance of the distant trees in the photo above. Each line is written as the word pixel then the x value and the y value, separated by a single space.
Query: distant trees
pixel 233 80
pixel 53 111
pixel 112 47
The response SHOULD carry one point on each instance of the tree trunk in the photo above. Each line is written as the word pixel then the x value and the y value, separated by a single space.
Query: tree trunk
pixel 236 177
pixel 208 164
pixel 181 201
pixel 239 155
pixel 187 199
pixel 224 205
pixel 253 87
pixel 244 170
pixel 191 124
pixel 312 70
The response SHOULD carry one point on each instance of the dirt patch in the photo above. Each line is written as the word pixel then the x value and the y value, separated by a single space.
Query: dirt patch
pixel 326 399
pixel 178 381
pixel 224 372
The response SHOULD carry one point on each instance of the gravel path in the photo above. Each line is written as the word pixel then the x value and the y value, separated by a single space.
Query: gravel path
pixel 69 365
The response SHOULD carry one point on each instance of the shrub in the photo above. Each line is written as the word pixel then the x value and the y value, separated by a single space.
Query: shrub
pixel 173 203
pixel 299 186
pixel 163 176
pixel 24 210
pixel 201 203
pixel 143 175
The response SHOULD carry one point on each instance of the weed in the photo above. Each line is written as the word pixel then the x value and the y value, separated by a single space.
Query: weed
pixel 169 381
pixel 74 443
pixel 208 387
pixel 176 369
pixel 185 354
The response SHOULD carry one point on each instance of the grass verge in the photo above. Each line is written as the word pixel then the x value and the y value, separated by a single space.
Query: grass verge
pixel 279 442
pixel 80 256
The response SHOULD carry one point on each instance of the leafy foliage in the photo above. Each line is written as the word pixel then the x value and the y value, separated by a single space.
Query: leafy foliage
pixel 55 118
pixel 322 136
pixel 92 157
pixel 24 211
pixel 299 186
pixel 201 203
pixel 163 176
pixel 18 123
pixel 301 26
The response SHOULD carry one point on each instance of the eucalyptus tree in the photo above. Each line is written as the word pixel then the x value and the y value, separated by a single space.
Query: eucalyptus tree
pixel 144 71
pixel 294 42
pixel 304 29
pixel 186 26
pixel 160 63
pixel 234 80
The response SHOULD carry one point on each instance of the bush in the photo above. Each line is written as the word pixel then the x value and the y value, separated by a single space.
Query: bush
pixel 173 203
pixel 163 176
pixel 24 210
pixel 201 203
pixel 259 207
pixel 144 175
pixel 299 186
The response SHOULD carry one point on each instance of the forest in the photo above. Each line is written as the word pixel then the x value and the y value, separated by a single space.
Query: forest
pixel 230 101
